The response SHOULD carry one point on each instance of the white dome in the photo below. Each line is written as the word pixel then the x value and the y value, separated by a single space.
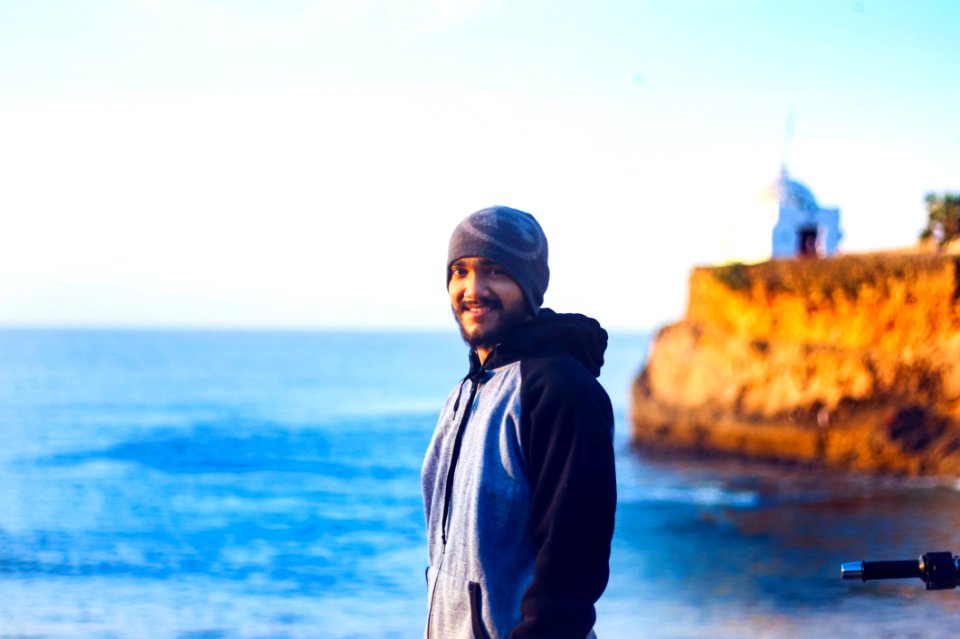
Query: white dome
pixel 792 194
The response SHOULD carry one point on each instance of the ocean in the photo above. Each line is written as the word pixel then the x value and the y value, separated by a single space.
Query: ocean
pixel 265 484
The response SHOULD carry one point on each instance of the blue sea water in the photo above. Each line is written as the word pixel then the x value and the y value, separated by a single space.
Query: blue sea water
pixel 265 484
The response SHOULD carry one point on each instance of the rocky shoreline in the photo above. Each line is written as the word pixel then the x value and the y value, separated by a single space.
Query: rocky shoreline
pixel 851 362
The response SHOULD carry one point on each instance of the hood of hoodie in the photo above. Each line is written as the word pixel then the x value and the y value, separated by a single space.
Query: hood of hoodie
pixel 550 334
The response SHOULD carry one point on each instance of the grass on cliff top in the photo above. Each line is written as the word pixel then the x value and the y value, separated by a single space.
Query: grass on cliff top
pixel 846 273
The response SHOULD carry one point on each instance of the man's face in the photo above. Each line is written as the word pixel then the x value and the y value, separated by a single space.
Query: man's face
pixel 486 302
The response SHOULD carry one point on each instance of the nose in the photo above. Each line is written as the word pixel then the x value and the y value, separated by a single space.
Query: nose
pixel 475 285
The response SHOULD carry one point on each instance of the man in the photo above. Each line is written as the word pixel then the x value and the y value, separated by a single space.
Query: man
pixel 518 481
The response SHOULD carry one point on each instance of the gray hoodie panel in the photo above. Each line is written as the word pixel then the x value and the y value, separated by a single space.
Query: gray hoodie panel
pixel 489 510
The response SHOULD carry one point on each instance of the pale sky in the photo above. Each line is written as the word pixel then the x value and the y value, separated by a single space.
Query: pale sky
pixel 298 163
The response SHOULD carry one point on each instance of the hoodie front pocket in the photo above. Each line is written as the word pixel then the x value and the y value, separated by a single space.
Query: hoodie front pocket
pixel 476 610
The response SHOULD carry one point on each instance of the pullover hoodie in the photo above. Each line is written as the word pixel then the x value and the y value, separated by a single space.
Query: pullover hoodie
pixel 520 490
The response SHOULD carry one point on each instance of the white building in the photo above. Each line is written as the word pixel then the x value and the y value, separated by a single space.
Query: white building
pixel 803 228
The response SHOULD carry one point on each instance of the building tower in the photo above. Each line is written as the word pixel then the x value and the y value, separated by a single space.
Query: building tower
pixel 803 228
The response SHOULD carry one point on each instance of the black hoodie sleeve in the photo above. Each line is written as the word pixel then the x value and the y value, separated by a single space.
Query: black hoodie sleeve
pixel 567 430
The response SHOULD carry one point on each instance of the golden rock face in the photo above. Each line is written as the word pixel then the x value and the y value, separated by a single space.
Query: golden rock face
pixel 849 362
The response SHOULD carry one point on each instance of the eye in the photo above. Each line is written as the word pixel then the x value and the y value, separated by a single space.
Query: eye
pixel 457 271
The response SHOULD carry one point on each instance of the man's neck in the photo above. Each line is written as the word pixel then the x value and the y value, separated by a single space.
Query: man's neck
pixel 483 352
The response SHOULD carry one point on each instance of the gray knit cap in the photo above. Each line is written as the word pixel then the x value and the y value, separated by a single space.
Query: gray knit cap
pixel 511 238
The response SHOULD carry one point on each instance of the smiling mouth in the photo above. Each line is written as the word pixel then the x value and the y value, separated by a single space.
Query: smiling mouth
pixel 479 308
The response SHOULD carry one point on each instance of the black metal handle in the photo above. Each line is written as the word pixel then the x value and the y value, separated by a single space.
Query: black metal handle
pixel 891 569
pixel 939 570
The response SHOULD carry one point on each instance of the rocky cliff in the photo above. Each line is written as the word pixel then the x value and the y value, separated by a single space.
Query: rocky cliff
pixel 850 362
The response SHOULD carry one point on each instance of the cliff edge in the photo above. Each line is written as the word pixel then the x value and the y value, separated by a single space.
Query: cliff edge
pixel 850 362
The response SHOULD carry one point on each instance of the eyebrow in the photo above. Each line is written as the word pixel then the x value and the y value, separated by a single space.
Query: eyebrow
pixel 483 262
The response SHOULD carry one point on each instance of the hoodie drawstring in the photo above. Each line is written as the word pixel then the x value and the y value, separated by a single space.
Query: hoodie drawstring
pixel 476 381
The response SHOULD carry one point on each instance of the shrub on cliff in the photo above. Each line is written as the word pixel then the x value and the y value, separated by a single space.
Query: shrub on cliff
pixel 943 217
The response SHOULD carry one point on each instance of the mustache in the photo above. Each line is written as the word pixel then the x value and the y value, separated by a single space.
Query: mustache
pixel 491 302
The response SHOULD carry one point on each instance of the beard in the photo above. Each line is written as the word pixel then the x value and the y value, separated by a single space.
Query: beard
pixel 510 317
